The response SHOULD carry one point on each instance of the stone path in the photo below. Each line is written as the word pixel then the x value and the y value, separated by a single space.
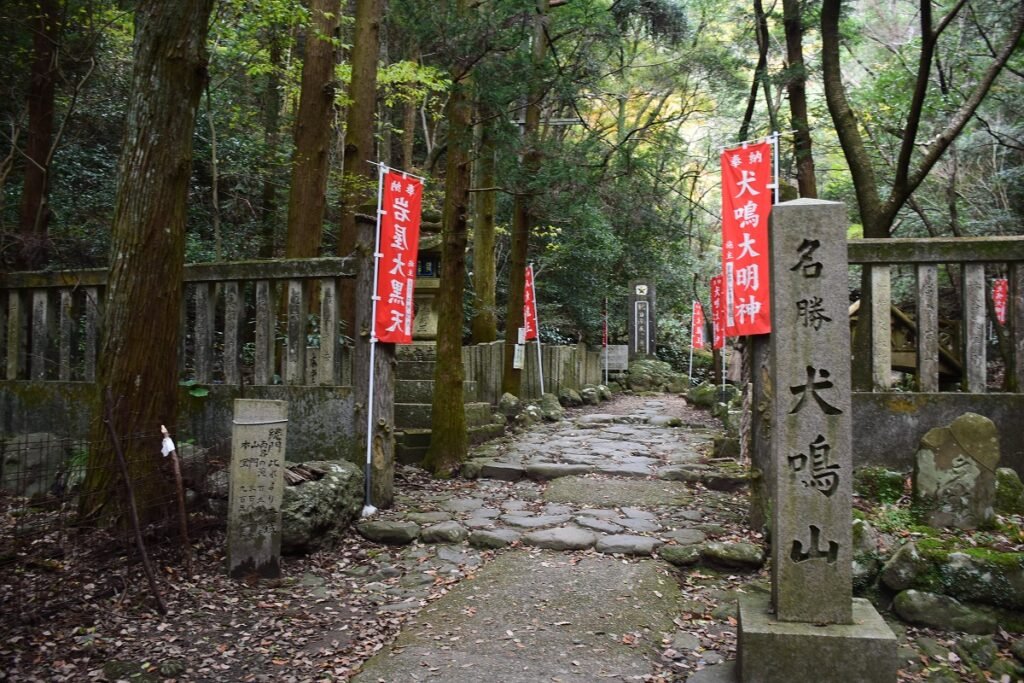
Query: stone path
pixel 585 550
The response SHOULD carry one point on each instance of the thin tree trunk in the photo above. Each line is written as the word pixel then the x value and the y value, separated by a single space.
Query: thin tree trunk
pixel 271 143
pixel 760 71
pixel 448 437
pixel 218 240
pixel 307 196
pixel 511 380
pixel 357 198
pixel 796 86
pixel 138 361
pixel 485 319
pixel 35 210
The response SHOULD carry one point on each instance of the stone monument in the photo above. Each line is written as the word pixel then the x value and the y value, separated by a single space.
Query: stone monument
pixel 812 627
pixel 257 487
pixel 642 319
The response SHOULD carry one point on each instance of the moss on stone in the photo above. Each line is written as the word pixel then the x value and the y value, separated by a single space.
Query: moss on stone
pixel 878 484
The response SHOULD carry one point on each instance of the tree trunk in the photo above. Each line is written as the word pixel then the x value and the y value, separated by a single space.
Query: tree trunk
pixel 271 144
pixel 511 380
pixel 307 194
pixel 485 319
pixel 138 361
pixel 357 196
pixel 448 437
pixel 35 210
pixel 760 71
pixel 796 86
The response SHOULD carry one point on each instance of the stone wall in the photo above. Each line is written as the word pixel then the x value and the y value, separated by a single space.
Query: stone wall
pixel 320 417
pixel 887 427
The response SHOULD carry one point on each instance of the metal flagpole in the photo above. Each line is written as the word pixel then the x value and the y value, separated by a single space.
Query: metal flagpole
pixel 775 154
pixel 368 508
pixel 693 327
pixel 725 350
pixel 540 360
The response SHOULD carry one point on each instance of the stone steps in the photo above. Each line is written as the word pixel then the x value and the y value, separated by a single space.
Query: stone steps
pixel 414 370
pixel 412 444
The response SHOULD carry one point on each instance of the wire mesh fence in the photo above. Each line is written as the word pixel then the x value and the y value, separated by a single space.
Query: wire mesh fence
pixel 58 548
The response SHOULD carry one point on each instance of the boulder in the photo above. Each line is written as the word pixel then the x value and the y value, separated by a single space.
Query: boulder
pixel 393 533
pixel 33 465
pixel 314 513
pixel 904 568
pixel 604 392
pixel 733 555
pixel 590 395
pixel 648 374
pixel 509 405
pixel 703 395
pixel 195 464
pixel 529 415
pixel 570 398
pixel 550 408
pixel 940 611
pixel 1009 492
pixel 982 650
pixel 444 532
pixel 954 481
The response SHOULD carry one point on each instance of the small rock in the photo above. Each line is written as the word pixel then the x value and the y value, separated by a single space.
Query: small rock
pixel 445 532
pixel 903 568
pixel 562 538
pixel 395 533
pixel 733 555
pixel 570 398
pixel 509 405
pixel 685 640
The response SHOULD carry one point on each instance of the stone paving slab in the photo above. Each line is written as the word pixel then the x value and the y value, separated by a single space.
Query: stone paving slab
pixel 525 619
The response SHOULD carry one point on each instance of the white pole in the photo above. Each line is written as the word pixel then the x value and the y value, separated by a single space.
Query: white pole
pixel 725 350
pixel 605 340
pixel 775 154
pixel 691 358
pixel 368 508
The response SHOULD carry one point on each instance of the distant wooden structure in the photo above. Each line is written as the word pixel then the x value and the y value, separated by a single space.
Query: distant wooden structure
pixel 904 342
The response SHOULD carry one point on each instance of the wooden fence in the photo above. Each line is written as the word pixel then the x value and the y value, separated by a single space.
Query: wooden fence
pixel 231 322
pixel 565 367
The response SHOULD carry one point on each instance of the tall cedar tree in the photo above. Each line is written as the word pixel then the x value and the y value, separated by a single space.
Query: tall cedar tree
pixel 522 214
pixel 796 87
pixel 485 319
pixel 138 361
pixel 35 210
pixel 448 438
pixel 360 180
pixel 308 190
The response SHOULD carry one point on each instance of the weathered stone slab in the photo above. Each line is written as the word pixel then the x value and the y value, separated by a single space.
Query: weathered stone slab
pixel 597 524
pixel 545 471
pixel 498 538
pixel 616 492
pixel 626 544
pixel 941 611
pixel 638 524
pixel 562 538
pixel 256 488
pixel 773 651
pixel 733 555
pixel 680 556
pixel 394 533
pixel 501 470
pixel 685 536
pixel 534 521
pixel 457 505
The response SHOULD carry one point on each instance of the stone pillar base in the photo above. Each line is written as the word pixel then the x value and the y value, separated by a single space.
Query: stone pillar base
pixel 773 651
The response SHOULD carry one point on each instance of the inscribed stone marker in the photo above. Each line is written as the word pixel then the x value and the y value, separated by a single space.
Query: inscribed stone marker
pixel 810 347
pixel 257 487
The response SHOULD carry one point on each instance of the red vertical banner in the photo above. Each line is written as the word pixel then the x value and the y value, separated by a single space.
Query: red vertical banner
pixel 717 312
pixel 399 225
pixel 529 306
pixel 1000 297
pixel 697 326
pixel 746 202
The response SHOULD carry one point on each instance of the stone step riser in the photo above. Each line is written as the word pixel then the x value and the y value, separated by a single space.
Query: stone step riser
pixel 411 447
pixel 422 391
pixel 417 415
pixel 414 370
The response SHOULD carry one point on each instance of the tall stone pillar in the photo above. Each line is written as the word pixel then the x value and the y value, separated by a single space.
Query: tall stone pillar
pixel 643 322
pixel 812 624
